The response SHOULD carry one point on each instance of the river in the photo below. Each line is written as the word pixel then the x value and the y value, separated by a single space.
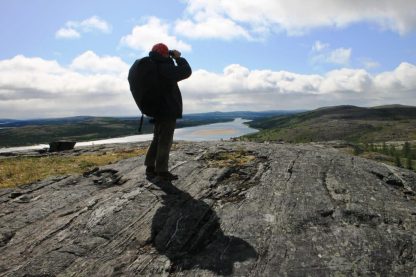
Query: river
pixel 215 131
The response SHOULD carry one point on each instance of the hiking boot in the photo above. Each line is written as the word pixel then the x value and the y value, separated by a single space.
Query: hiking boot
pixel 167 176
pixel 150 172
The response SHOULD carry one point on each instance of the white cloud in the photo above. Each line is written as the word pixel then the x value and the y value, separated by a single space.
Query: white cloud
pixel 21 63
pixel 89 61
pixel 369 63
pixel 239 88
pixel 91 24
pixel 282 15
pixel 322 53
pixel 339 56
pixel 319 46
pixel 67 33
pixel 34 87
pixel 73 29
pixel 213 27
pixel 403 78
pixel 143 37
pixel 346 80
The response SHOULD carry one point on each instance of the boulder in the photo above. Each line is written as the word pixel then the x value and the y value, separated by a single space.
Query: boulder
pixel 61 145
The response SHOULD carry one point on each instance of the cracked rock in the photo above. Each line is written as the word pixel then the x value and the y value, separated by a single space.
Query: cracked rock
pixel 238 208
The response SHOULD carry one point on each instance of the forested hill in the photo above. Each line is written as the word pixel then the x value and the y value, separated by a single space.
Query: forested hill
pixel 350 123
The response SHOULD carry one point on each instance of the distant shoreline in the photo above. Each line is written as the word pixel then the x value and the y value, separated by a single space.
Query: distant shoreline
pixel 208 132
pixel 29 132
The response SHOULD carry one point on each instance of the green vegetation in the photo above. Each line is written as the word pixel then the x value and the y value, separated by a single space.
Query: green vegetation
pixel 349 123
pixel 376 133
pixel 229 159
pixel 399 154
pixel 23 170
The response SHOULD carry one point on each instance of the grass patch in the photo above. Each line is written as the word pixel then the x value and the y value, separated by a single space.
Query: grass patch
pixel 229 159
pixel 23 170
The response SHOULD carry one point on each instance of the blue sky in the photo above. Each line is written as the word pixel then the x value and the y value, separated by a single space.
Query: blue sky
pixel 61 58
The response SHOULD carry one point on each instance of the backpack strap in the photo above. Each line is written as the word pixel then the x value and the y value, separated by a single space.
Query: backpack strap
pixel 141 124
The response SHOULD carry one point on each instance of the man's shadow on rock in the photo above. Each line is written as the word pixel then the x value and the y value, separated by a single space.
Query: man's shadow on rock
pixel 188 232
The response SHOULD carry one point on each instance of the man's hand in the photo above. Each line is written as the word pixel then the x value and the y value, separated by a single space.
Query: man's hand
pixel 176 54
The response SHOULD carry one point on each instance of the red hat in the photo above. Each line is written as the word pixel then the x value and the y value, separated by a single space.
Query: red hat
pixel 161 48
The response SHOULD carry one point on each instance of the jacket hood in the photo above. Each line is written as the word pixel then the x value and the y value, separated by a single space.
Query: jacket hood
pixel 158 57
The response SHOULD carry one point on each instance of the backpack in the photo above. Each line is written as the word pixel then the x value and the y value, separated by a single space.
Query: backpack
pixel 144 86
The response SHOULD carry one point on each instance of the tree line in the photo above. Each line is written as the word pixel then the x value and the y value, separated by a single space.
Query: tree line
pixel 403 155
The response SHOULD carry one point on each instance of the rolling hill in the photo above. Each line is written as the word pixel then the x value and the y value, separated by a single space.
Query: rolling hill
pixel 349 123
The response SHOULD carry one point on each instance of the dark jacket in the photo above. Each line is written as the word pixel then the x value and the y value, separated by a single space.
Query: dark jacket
pixel 169 76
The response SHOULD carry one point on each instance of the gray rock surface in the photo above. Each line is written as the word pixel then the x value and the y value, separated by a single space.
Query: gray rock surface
pixel 242 209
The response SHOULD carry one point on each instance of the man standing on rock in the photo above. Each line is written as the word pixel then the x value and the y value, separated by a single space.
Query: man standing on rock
pixel 169 74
